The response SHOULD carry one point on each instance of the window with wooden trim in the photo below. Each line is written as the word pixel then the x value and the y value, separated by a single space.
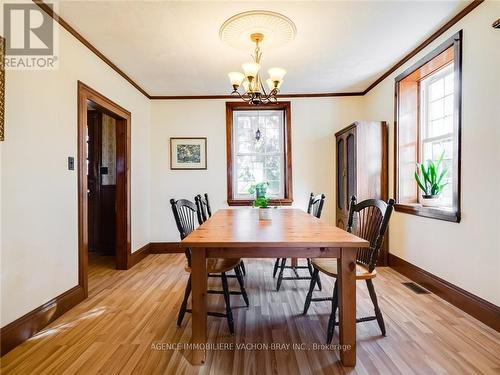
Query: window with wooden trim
pixel 428 123
pixel 258 150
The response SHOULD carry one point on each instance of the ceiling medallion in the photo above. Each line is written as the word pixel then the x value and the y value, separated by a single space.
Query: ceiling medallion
pixel 259 28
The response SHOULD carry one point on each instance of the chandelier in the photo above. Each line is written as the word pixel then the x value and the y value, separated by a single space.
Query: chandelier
pixel 254 91
pixel 246 30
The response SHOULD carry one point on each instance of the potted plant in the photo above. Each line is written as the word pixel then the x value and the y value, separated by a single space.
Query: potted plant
pixel 261 202
pixel 429 177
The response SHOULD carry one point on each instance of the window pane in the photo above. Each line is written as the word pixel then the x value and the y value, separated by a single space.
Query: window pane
pixel 448 105
pixel 436 89
pixel 258 160
pixel 449 82
pixel 437 126
pixel 436 109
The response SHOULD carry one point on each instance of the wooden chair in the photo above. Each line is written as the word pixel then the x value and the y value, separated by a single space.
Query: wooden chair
pixel 185 214
pixel 369 220
pixel 204 212
pixel 314 207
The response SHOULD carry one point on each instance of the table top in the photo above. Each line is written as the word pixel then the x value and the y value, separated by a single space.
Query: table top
pixel 287 228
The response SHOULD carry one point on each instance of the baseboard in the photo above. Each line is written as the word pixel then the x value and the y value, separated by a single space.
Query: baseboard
pixel 139 255
pixel 26 326
pixel 482 310
pixel 165 248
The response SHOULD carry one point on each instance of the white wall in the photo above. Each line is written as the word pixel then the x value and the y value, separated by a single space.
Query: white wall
pixel 39 245
pixel 314 122
pixel 466 254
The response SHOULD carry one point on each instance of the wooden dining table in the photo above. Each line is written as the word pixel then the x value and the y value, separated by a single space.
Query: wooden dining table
pixel 291 233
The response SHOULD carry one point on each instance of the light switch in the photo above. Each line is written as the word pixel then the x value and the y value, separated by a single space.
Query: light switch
pixel 71 163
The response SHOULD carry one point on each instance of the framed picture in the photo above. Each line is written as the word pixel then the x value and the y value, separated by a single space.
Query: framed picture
pixel 188 153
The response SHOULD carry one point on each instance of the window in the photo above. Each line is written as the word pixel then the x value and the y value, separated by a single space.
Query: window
pixel 428 121
pixel 259 150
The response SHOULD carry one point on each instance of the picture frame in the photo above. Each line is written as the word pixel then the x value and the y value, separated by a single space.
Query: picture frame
pixel 188 153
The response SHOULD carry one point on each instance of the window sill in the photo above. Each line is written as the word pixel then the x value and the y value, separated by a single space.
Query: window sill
pixel 248 202
pixel 430 212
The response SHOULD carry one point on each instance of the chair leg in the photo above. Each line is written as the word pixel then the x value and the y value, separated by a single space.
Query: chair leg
pixel 309 266
pixel 378 313
pixel 239 277
pixel 229 313
pixel 314 277
pixel 276 265
pixel 319 283
pixel 333 315
pixel 243 268
pixel 183 308
pixel 280 275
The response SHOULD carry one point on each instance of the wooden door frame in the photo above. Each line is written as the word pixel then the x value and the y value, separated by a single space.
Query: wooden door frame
pixel 123 190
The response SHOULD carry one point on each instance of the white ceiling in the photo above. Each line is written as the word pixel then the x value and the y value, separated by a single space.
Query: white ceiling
pixel 173 47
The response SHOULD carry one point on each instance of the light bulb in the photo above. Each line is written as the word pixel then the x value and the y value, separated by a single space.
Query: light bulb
pixel 251 69
pixel 276 74
pixel 271 84
pixel 236 78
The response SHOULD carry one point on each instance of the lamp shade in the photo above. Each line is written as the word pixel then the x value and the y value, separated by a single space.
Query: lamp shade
pixel 236 78
pixel 246 85
pixel 251 69
pixel 276 74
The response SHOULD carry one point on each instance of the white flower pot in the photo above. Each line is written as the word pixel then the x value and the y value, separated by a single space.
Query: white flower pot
pixel 431 201
pixel 265 213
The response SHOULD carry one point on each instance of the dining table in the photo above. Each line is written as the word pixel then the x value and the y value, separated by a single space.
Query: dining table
pixel 290 233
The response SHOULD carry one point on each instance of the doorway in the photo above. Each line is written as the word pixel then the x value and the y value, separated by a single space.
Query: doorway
pixel 103 181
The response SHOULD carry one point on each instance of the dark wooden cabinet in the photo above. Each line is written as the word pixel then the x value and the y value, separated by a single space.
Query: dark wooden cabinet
pixel 361 168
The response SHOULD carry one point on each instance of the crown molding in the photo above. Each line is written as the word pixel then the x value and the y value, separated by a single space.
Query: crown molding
pixel 469 8
pixel 47 9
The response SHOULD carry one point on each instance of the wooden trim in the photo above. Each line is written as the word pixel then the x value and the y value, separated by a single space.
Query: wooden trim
pixel 26 326
pixel 123 189
pixel 48 9
pixel 2 88
pixel 165 248
pixel 430 212
pixel 139 255
pixel 296 95
pixel 455 42
pixel 484 311
pixel 235 106
pixel 469 8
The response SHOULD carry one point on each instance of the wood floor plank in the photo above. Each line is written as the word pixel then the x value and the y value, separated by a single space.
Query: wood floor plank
pixel 127 313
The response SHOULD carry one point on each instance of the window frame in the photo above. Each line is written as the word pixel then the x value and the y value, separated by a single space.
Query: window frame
pixel 440 213
pixel 231 107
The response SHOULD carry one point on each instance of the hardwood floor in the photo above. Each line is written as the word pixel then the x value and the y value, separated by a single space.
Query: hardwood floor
pixel 130 317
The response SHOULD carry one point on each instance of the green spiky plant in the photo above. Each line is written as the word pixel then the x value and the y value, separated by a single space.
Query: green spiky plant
pixel 429 177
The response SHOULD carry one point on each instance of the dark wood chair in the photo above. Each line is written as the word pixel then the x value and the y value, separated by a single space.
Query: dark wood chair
pixel 186 214
pixel 314 207
pixel 369 220
pixel 205 212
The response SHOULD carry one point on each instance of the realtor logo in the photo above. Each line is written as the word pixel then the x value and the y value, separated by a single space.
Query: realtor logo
pixel 29 37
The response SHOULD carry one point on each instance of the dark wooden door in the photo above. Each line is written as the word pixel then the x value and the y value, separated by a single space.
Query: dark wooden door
pixel 101 197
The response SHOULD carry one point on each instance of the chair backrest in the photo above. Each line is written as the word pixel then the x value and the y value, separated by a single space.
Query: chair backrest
pixel 185 215
pixel 315 205
pixel 203 205
pixel 369 220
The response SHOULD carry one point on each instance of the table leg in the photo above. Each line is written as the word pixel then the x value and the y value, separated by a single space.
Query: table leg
pixel 295 262
pixel 347 306
pixel 199 302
